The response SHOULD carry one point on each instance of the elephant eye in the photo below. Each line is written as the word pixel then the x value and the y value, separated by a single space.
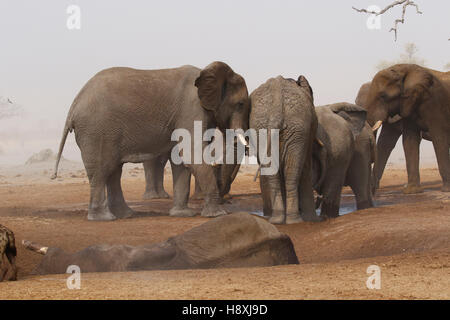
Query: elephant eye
pixel 383 96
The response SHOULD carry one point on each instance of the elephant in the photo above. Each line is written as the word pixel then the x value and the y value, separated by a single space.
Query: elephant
pixel 342 155
pixel 128 115
pixel 390 133
pixel 421 97
pixel 287 105
pixel 154 178
pixel 232 241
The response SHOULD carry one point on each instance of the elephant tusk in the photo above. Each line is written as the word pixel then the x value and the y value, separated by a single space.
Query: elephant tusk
pixel 377 125
pixel 257 173
pixel 319 142
pixel 34 247
pixel 395 119
pixel 242 139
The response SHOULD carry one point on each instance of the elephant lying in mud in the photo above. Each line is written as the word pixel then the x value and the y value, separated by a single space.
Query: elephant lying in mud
pixel 235 240
pixel 344 156
pixel 287 105
pixel 127 115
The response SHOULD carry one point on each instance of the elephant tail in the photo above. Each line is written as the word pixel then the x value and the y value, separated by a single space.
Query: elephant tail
pixel 67 128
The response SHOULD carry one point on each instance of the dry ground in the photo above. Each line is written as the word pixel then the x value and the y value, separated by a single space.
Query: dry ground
pixel 407 236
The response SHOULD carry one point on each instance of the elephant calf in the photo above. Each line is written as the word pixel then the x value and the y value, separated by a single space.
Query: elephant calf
pixel 344 156
pixel 287 105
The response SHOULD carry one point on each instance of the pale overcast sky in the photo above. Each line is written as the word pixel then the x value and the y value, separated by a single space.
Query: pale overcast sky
pixel 43 64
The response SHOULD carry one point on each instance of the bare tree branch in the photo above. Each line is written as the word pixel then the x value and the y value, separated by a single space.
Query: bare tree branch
pixel 404 3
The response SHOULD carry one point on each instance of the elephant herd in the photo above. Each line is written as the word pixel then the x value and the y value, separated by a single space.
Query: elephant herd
pixel 126 115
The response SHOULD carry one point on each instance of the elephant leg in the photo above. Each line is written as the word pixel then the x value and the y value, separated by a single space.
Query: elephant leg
pixel 273 189
pixel 359 179
pixel 154 178
pixel 265 193
pixel 331 200
pixel 306 195
pixel 441 146
pixel 207 180
pixel 181 187
pixel 116 201
pixel 198 194
pixel 411 144
pixel 362 190
pixel 98 208
pixel 291 173
pixel 386 143
pixel 99 162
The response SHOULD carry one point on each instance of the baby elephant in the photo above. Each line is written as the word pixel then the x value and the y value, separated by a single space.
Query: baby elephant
pixel 342 155
pixel 8 253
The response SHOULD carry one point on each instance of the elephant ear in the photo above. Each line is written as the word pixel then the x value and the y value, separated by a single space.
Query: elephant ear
pixel 416 89
pixel 212 84
pixel 302 82
pixel 353 114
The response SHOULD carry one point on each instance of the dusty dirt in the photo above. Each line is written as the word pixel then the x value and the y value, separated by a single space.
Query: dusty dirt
pixel 407 236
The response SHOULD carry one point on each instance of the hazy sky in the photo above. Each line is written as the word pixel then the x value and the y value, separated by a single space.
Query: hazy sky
pixel 43 64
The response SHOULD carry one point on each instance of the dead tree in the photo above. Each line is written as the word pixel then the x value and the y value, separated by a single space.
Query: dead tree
pixel 404 3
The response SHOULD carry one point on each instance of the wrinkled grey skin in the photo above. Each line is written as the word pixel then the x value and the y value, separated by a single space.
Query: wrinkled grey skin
pixel 128 115
pixel 389 135
pixel 344 158
pixel 287 105
pixel 235 240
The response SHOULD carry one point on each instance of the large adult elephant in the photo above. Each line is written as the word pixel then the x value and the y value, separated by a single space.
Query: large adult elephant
pixel 343 156
pixel 287 105
pixel 128 115
pixel 421 97
pixel 389 135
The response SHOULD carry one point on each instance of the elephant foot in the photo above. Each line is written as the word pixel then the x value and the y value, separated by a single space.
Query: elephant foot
pixel 329 210
pixel 213 211
pixel 123 212
pixel 197 196
pixel 313 218
pixel 182 212
pixel 446 187
pixel 149 195
pixel 364 205
pixel 411 189
pixel 293 218
pixel 277 218
pixel 227 197
pixel 100 215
